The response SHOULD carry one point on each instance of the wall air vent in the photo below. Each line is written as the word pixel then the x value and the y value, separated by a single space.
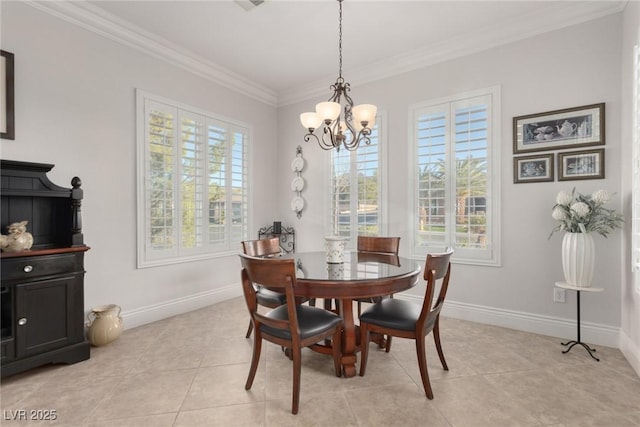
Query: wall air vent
pixel 249 4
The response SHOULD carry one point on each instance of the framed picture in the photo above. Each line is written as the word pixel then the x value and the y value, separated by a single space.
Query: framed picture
pixel 588 164
pixel 533 168
pixel 7 118
pixel 568 128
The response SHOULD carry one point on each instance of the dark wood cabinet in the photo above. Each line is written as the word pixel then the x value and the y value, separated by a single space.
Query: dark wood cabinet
pixel 42 291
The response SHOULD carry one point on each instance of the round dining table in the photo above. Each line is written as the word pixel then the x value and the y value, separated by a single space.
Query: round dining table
pixel 361 275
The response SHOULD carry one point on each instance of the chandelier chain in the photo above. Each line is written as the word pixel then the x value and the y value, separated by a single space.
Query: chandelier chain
pixel 340 43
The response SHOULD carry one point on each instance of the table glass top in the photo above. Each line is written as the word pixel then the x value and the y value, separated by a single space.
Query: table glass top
pixel 356 266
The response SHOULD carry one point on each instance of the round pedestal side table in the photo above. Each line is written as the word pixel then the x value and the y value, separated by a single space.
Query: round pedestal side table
pixel 572 343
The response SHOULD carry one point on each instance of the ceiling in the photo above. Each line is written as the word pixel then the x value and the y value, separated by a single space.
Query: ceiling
pixel 284 51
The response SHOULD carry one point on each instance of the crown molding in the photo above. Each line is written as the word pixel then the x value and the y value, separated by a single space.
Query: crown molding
pixel 558 15
pixel 95 19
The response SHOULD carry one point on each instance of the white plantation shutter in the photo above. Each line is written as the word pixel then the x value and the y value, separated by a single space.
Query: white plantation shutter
pixel 191 188
pixel 356 196
pixel 217 147
pixel 239 211
pixel 192 183
pixel 160 179
pixel 455 176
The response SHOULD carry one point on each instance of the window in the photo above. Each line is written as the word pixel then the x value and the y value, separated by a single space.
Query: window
pixel 635 191
pixel 455 176
pixel 192 182
pixel 356 190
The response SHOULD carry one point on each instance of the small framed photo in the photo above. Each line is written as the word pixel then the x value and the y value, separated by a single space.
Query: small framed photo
pixel 568 128
pixel 587 164
pixel 7 118
pixel 533 168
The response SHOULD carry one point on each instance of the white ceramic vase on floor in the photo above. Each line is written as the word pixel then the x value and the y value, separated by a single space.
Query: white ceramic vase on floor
pixel 578 259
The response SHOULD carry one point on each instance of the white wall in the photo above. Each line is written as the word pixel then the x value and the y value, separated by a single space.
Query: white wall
pixel 75 108
pixel 571 67
pixel 630 328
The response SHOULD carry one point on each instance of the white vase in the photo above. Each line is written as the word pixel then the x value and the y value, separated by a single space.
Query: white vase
pixel 578 259
pixel 334 246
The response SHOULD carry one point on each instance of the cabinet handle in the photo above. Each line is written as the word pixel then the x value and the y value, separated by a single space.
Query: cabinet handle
pixel 22 321
pixel 28 268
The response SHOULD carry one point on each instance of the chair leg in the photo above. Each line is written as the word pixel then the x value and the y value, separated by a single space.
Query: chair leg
pixel 336 346
pixel 422 364
pixel 312 302
pixel 359 308
pixel 249 329
pixel 388 346
pixel 257 346
pixel 436 338
pixel 364 347
pixel 297 366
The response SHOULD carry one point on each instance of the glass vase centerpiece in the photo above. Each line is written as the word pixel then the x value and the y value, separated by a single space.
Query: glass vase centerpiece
pixel 580 216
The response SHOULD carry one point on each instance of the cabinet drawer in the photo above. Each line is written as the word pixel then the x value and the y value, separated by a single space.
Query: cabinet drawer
pixel 31 267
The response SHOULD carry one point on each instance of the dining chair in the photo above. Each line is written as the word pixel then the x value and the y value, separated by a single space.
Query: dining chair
pixel 404 319
pixel 264 248
pixel 291 325
pixel 376 245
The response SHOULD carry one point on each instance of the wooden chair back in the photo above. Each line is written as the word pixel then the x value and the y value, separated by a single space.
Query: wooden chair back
pixel 437 268
pixel 262 247
pixel 378 244
pixel 278 275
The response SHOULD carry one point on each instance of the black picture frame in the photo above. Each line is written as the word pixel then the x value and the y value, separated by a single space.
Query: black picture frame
pixel 7 95
pixel 559 129
pixel 538 168
pixel 585 164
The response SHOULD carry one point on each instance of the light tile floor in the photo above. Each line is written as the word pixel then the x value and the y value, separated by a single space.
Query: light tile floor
pixel 190 370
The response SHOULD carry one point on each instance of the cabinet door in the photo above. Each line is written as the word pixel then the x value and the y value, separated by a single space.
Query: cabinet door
pixel 48 314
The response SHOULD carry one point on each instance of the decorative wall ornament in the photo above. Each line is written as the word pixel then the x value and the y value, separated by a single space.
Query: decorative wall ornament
pixel 297 184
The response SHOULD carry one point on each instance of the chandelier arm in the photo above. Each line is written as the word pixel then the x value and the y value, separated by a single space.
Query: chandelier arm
pixel 308 136
pixel 330 143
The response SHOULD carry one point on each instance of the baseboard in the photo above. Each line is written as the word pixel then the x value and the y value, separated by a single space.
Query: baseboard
pixel 591 333
pixel 631 351
pixel 153 313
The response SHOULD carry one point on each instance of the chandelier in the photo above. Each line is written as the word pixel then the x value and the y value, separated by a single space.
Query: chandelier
pixel 347 131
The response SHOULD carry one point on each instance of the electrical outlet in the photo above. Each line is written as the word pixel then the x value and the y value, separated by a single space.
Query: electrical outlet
pixel 559 295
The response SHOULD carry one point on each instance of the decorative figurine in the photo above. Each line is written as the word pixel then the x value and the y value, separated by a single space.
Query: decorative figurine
pixel 18 239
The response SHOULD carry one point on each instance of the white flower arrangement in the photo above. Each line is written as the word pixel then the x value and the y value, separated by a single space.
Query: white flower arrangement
pixel 579 213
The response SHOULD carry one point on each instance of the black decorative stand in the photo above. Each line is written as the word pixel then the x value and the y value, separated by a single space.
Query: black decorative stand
pixel 287 236
pixel 572 343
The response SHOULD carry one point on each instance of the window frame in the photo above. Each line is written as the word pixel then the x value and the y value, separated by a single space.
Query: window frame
pixel 147 257
pixel 351 244
pixel 490 256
